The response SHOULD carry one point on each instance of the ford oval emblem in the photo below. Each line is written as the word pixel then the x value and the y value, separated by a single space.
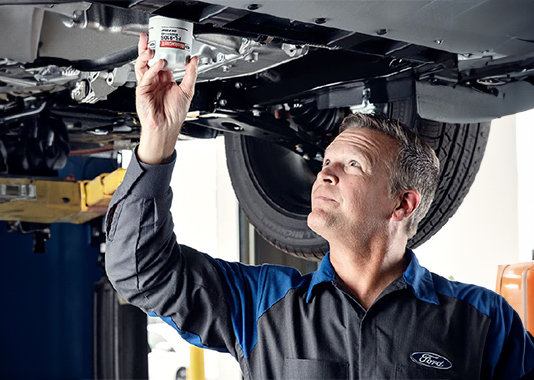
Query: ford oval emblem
pixel 430 359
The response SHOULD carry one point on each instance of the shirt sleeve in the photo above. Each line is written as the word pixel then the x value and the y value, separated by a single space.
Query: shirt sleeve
pixel 513 356
pixel 152 271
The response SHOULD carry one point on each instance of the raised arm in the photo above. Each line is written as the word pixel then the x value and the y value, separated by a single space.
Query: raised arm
pixel 143 260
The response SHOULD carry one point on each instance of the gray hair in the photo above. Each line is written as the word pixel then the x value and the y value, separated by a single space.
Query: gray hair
pixel 416 166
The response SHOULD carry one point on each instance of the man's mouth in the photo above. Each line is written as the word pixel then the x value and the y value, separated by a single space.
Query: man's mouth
pixel 322 197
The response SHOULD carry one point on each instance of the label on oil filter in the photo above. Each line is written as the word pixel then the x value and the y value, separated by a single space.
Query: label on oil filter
pixel 171 40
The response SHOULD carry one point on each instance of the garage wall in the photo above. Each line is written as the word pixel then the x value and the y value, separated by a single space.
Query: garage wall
pixel 525 169
pixel 485 231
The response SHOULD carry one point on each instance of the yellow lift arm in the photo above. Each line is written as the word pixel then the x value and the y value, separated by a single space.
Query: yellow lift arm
pixel 57 201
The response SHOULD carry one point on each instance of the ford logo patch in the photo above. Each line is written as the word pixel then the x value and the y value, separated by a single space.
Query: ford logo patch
pixel 429 359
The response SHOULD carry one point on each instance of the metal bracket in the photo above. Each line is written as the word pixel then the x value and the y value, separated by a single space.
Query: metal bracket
pixel 17 192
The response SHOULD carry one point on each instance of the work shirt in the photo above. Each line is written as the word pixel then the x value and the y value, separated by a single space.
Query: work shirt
pixel 280 324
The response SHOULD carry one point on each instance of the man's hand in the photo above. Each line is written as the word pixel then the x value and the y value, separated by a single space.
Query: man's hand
pixel 162 105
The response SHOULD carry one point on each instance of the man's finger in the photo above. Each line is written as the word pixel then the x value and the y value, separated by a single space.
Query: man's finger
pixel 190 78
pixel 142 44
pixel 141 64
pixel 142 59
pixel 151 74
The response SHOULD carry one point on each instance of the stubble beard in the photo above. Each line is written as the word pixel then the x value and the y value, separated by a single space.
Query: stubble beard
pixel 323 223
pixel 334 228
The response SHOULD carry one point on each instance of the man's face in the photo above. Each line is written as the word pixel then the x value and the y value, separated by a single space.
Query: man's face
pixel 351 195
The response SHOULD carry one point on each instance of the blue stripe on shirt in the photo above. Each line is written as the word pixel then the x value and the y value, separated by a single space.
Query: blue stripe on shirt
pixel 506 332
pixel 252 291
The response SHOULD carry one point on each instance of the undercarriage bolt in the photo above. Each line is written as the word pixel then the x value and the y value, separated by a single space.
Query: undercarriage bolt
pixel 252 57
pixel 223 102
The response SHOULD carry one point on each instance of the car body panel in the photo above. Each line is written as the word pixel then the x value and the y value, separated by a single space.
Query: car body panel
pixel 495 27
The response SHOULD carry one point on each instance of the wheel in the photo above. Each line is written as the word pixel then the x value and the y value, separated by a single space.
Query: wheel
pixel 273 184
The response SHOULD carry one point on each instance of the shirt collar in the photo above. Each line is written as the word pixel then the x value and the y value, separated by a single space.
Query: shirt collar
pixel 325 273
pixel 418 278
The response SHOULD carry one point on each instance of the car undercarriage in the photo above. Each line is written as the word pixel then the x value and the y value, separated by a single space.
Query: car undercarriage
pixel 275 78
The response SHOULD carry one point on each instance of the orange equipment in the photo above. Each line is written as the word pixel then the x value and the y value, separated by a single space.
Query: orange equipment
pixel 516 284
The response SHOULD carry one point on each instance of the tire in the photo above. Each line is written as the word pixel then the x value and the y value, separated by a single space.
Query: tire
pixel 460 149
pixel 275 201
pixel 273 184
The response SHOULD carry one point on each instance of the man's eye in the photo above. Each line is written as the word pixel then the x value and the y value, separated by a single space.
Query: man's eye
pixel 354 163
pixel 326 163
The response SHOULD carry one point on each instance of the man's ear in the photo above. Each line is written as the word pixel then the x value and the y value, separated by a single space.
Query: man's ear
pixel 408 202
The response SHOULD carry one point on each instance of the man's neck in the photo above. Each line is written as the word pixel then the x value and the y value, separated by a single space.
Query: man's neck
pixel 367 271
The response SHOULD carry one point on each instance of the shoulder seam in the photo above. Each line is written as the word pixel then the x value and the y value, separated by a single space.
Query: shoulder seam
pixel 277 301
pixel 479 289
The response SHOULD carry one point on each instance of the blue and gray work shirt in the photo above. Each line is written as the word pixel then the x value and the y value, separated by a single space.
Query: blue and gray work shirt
pixel 281 325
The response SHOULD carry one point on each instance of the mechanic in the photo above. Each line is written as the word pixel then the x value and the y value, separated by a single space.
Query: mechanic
pixel 369 312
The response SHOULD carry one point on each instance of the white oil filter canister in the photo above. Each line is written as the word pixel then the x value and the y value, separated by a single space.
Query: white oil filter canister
pixel 171 40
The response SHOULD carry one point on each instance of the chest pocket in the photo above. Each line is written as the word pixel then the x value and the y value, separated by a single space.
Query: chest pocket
pixel 413 372
pixel 315 369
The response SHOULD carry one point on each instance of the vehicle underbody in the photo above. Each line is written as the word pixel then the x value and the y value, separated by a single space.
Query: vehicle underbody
pixel 275 79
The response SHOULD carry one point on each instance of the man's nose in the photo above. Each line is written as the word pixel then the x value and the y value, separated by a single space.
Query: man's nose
pixel 328 175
